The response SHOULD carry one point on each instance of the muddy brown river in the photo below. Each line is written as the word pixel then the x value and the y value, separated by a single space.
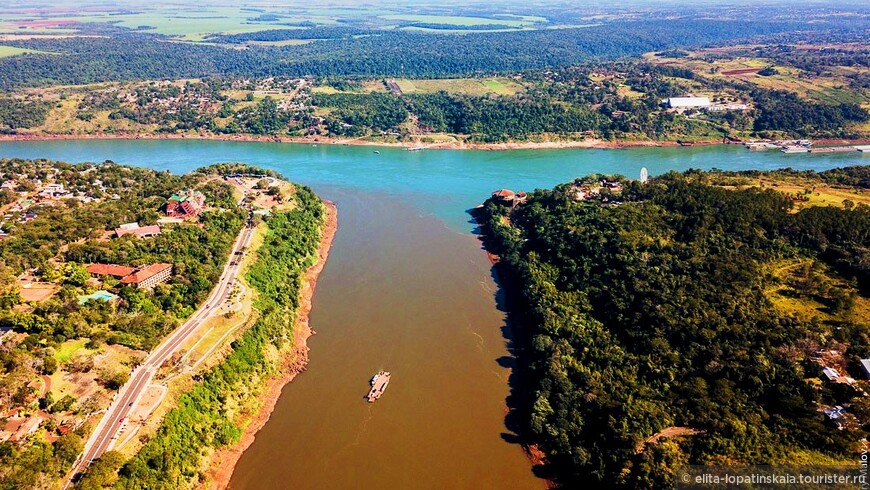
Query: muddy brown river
pixel 406 289
pixel 388 300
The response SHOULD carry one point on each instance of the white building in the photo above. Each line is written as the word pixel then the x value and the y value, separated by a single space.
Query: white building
pixel 688 102
pixel 830 373
pixel 53 190
pixel 728 107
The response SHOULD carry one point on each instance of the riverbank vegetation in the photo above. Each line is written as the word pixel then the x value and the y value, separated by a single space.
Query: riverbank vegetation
pixel 707 304
pixel 70 338
pixel 622 101
pixel 207 418
pixel 401 78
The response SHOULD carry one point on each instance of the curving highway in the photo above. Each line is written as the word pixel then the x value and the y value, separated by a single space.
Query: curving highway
pixel 106 432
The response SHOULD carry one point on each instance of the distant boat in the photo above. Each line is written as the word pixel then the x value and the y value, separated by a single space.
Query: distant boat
pixel 379 384
pixel 377 152
pixel 416 148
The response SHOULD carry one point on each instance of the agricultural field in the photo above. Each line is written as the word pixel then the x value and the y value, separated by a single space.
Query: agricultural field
pixel 467 86
pixel 12 51
pixel 831 85
pixel 195 24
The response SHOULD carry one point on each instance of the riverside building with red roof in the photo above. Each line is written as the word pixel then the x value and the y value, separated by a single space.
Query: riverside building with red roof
pixel 185 204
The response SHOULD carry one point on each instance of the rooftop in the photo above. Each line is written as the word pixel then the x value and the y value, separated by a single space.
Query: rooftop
pixel 503 193
pixel 146 272
pixel 110 270
pixel 135 229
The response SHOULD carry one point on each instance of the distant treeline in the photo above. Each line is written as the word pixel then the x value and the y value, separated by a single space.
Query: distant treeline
pixel 15 114
pixel 785 111
pixel 137 56
pixel 494 119
pixel 272 35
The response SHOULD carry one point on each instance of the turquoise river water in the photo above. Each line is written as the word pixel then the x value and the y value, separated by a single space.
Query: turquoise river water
pixel 406 289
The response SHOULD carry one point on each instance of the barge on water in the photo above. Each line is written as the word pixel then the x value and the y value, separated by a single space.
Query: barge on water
pixel 379 383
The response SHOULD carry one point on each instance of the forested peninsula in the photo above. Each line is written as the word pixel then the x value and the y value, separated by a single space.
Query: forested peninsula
pixel 698 318
pixel 100 264
pixel 217 412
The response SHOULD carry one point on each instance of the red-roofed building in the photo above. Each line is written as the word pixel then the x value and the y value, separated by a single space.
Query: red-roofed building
pixel 117 271
pixel 186 204
pixel 507 196
pixel 139 231
pixel 503 194
pixel 149 276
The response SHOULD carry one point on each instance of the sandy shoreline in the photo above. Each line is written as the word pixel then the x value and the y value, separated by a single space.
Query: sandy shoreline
pixel 320 140
pixel 223 461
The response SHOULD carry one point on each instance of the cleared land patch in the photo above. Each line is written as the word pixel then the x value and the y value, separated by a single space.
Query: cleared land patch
pixel 451 20
pixel 468 86
pixel 6 51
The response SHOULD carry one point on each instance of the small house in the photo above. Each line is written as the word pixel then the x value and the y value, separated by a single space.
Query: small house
pixel 136 230
pixel 185 204
pixel 509 197
pixel 830 373
pixel 53 190
pixel 865 366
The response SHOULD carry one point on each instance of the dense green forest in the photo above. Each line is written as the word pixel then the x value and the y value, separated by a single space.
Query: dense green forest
pixel 562 105
pixel 611 100
pixel 136 56
pixel 16 114
pixel 206 417
pixel 785 111
pixel 662 306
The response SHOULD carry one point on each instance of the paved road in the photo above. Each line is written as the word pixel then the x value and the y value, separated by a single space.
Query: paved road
pixel 107 430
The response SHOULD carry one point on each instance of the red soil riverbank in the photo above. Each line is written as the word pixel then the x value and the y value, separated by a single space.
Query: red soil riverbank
pixel 455 145
pixel 223 462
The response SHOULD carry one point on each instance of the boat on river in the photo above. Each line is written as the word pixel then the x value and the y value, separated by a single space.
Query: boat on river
pixel 379 383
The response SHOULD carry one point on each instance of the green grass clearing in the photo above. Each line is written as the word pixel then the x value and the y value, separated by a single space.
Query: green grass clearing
pixel 6 51
pixel 68 349
pixel 467 86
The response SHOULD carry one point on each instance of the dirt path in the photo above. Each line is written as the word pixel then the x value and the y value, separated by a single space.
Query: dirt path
pixel 223 462
pixel 46 385
pixel 669 432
